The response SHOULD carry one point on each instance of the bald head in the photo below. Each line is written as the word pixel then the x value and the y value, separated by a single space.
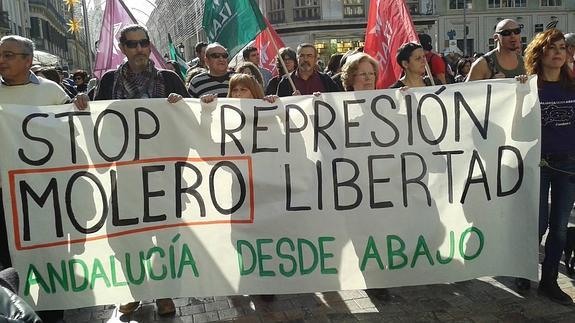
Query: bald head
pixel 506 24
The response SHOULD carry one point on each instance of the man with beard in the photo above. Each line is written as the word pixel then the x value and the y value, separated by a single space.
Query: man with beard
pixel 504 61
pixel 306 78
pixel 138 78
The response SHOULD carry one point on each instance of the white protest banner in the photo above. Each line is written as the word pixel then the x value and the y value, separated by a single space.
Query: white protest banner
pixel 140 199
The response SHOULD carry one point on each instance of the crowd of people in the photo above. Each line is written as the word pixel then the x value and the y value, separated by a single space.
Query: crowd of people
pixel 549 56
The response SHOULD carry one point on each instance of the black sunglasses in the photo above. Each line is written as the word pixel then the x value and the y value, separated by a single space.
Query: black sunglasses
pixel 508 32
pixel 134 43
pixel 218 55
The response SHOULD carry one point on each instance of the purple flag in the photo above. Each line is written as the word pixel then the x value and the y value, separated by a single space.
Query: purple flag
pixel 109 55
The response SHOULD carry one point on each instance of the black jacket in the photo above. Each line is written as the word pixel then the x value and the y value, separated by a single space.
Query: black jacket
pixel 284 88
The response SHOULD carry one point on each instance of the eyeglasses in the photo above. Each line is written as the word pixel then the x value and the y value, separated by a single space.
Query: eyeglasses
pixel 218 55
pixel 365 75
pixel 508 32
pixel 11 55
pixel 134 43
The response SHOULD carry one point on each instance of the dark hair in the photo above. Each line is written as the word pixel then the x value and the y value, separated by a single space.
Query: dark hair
pixel 254 69
pixel 50 74
pixel 132 28
pixel 80 73
pixel 285 53
pixel 334 63
pixel 460 65
pixel 404 52
pixel 199 46
pixel 425 41
pixel 247 51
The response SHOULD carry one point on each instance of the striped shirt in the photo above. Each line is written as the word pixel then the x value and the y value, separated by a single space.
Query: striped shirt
pixel 205 83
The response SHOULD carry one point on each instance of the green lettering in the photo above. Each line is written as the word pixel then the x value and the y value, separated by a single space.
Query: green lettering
pixel 300 243
pixel 371 252
pixel 462 240
pixel 262 257
pixel 161 253
pixel 98 272
pixel 451 250
pixel 33 277
pixel 115 281
pixel 243 271
pixel 187 260
pixel 173 256
pixel 421 249
pixel 61 277
pixel 395 253
pixel 292 259
pixel 323 255
pixel 73 276
pixel 129 269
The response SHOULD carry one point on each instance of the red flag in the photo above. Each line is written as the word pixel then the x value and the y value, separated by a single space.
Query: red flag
pixel 109 56
pixel 389 26
pixel 267 49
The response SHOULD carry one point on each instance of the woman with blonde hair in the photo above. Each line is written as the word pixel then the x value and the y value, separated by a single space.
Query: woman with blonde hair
pixel 546 57
pixel 359 72
pixel 242 86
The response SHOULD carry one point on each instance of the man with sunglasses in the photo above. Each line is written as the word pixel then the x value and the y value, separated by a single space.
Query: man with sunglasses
pixel 505 60
pixel 217 79
pixel 136 78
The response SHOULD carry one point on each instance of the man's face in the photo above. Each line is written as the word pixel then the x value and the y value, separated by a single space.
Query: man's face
pixel 217 60
pixel 509 36
pixel 136 48
pixel 14 64
pixel 306 59
pixel 254 57
pixel 202 55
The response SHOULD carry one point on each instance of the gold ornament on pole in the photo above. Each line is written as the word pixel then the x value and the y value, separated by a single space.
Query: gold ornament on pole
pixel 71 3
pixel 74 25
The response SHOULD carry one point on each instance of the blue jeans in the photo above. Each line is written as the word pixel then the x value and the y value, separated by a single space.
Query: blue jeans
pixel 556 217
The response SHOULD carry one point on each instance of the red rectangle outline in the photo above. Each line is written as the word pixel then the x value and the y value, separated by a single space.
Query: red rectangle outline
pixel 13 173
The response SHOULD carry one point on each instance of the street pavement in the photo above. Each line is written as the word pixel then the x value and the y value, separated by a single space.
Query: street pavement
pixel 489 299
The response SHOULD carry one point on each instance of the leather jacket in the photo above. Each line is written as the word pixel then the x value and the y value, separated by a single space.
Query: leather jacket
pixel 14 309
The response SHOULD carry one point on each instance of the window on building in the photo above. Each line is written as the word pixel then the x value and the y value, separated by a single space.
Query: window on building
pixel 276 13
pixel 353 8
pixel 306 10
pixel 456 4
pixel 496 4
pixel 550 3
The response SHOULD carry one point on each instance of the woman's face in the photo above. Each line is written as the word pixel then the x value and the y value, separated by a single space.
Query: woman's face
pixel 554 55
pixel 364 77
pixel 78 80
pixel 290 64
pixel 241 92
pixel 466 67
pixel 416 64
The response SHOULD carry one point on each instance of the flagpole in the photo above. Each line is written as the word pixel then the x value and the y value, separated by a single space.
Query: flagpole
pixel 428 71
pixel 281 59
pixel 88 40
